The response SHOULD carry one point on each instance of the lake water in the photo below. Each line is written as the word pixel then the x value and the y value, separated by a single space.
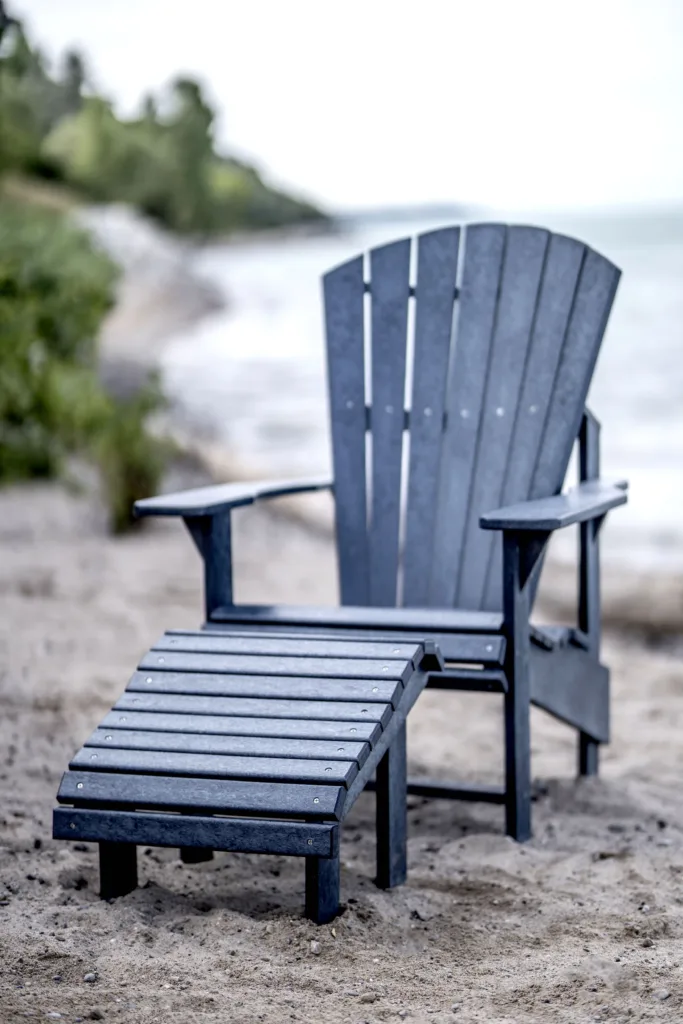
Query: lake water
pixel 253 376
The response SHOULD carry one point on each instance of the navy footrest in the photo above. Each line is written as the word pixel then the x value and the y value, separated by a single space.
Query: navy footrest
pixel 240 742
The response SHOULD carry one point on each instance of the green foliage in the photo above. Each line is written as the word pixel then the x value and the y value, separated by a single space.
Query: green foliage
pixel 55 287
pixel 243 201
pixel 131 459
pixel 164 164
pixel 54 291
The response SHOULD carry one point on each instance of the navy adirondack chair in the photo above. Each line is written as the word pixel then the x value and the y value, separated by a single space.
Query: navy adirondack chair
pixel 452 434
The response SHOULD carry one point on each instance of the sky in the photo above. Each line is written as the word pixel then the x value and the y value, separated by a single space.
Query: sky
pixel 358 103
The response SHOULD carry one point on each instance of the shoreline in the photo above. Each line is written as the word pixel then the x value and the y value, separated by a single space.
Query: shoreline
pixel 160 294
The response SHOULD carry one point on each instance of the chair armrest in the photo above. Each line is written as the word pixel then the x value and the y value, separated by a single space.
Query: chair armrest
pixel 209 501
pixel 588 501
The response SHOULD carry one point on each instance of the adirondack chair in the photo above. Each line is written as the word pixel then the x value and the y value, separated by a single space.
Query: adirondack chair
pixel 451 440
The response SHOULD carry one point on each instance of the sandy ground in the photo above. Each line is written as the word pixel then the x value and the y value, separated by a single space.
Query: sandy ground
pixel 583 923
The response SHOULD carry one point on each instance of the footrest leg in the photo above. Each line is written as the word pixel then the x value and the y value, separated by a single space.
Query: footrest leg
pixel 589 755
pixel 322 888
pixel 195 854
pixel 118 869
pixel 392 814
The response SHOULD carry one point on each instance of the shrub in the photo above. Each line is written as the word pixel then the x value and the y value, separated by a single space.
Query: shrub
pixel 131 459
pixel 55 288
pixel 54 292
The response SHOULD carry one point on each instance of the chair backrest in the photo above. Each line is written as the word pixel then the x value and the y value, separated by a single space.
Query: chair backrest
pixel 454 389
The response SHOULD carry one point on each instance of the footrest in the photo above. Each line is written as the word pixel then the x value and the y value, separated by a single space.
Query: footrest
pixel 236 742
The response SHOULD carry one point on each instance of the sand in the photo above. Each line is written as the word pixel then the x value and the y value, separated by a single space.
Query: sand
pixel 582 923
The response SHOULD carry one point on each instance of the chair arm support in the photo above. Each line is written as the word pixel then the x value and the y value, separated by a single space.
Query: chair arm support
pixel 210 501
pixel 590 500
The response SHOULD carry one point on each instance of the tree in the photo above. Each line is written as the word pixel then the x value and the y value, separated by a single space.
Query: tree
pixel 73 80
pixel 190 150
pixel 5 21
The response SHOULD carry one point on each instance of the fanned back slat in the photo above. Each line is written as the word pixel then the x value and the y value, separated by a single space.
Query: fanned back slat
pixel 521 277
pixel 389 283
pixel 560 276
pixel 437 258
pixel 343 294
pixel 592 303
pixel 484 250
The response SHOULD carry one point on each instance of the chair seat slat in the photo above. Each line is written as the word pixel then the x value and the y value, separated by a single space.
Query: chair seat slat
pixel 429 620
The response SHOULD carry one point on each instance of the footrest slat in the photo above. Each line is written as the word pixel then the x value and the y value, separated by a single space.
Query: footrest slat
pixel 266 687
pixel 358 711
pixel 287 800
pixel 247 746
pixel 274 665
pixel 260 643
pixel 293 838
pixel 225 725
pixel 164 762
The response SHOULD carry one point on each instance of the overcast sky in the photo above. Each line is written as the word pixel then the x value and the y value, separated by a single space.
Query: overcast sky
pixel 361 102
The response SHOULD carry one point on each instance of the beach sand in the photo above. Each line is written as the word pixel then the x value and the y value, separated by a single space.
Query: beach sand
pixel 583 923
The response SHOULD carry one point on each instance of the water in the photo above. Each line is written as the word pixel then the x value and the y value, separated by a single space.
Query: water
pixel 253 376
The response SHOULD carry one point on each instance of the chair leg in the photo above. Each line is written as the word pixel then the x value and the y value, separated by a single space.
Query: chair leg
pixel 589 755
pixel 518 760
pixel 322 888
pixel 521 555
pixel 392 814
pixel 118 869
pixel 195 854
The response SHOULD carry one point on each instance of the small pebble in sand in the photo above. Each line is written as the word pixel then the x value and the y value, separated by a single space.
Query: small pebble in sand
pixel 647 943
pixel 90 977
pixel 662 994
pixel 315 947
